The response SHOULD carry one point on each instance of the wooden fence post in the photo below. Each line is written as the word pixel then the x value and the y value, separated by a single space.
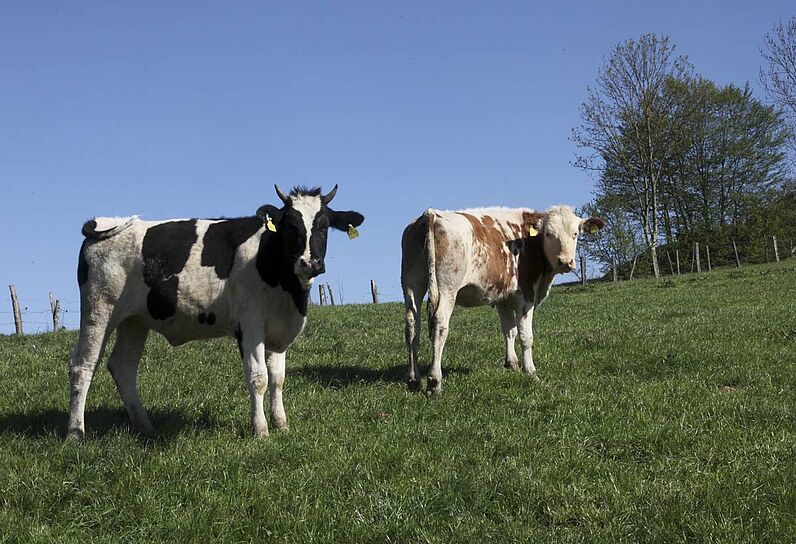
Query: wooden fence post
pixel 321 295
pixel 696 253
pixel 613 267
pixel 735 250
pixel 633 269
pixel 776 249
pixel 17 313
pixel 55 308
pixel 331 294
pixel 583 269
pixel 677 256
pixel 374 291
pixel 707 252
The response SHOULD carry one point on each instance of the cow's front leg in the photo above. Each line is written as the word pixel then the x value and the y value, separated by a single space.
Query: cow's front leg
pixel 525 326
pixel 276 378
pixel 508 324
pixel 256 376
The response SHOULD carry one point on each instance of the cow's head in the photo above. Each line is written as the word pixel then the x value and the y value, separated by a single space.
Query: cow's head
pixel 302 223
pixel 560 229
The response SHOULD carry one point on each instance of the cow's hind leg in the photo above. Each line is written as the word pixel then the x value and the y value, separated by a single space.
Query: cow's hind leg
pixel 439 319
pixel 413 298
pixel 276 379
pixel 87 353
pixel 123 364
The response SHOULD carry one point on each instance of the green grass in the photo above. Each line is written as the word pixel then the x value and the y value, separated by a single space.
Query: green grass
pixel 666 413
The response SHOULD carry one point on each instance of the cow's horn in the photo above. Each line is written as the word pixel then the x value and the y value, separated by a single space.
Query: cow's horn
pixel 282 196
pixel 328 198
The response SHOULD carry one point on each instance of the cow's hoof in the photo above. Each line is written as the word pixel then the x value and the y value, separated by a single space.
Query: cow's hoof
pixel 148 434
pixel 260 433
pixel 413 385
pixel 535 377
pixel 281 426
pixel 433 387
pixel 511 365
pixel 75 435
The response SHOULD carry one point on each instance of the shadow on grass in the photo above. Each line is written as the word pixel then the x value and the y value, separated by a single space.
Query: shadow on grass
pixel 338 377
pixel 102 421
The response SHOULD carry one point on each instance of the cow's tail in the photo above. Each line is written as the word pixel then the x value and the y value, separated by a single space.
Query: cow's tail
pixel 101 228
pixel 433 287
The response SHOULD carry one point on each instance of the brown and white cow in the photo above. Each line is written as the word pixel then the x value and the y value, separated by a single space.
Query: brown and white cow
pixel 499 256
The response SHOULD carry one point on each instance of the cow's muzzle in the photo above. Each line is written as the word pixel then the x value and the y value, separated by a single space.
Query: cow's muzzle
pixel 567 265
pixel 311 268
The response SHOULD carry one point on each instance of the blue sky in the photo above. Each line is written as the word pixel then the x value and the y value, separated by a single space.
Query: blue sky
pixel 195 109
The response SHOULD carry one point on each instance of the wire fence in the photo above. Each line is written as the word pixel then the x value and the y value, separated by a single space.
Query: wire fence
pixel 37 314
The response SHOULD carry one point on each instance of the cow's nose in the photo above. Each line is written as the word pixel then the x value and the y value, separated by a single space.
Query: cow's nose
pixel 318 266
pixel 567 263
pixel 313 266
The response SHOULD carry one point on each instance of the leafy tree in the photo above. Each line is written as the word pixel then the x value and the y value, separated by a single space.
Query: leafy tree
pixel 729 149
pixel 680 159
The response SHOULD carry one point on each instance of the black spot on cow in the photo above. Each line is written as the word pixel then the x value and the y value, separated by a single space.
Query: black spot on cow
pixel 82 266
pixel 531 264
pixel 275 266
pixel 164 252
pixel 221 242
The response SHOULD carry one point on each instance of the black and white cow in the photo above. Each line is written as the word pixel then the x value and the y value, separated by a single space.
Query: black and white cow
pixel 191 279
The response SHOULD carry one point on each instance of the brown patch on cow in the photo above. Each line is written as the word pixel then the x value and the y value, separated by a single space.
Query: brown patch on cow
pixel 441 242
pixel 490 243
pixel 413 243
pixel 516 230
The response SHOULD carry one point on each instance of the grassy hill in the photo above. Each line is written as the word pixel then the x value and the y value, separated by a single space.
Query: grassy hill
pixel 666 413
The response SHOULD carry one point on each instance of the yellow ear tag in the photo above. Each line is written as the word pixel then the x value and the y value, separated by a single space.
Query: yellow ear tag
pixel 532 231
pixel 594 230
pixel 270 224
pixel 352 232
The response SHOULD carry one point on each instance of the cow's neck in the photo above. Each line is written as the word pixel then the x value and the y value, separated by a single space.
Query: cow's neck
pixel 276 270
pixel 535 275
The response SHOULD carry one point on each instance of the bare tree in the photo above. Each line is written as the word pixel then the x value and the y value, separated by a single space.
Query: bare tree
pixel 779 76
pixel 626 121
pixel 619 241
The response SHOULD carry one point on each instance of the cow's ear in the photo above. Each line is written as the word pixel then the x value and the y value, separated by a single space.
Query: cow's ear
pixel 342 220
pixel 592 225
pixel 267 212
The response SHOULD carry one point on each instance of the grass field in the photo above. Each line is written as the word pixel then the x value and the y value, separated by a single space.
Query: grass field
pixel 666 413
